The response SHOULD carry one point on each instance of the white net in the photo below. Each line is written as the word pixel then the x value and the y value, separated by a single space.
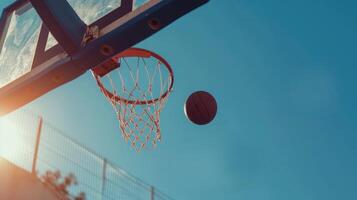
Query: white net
pixel 138 90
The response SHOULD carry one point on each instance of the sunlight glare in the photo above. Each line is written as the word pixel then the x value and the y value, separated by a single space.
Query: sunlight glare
pixel 13 144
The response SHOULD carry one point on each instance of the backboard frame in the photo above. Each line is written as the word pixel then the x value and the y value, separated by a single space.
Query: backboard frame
pixel 56 66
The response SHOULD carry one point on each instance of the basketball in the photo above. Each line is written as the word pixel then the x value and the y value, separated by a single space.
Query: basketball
pixel 200 108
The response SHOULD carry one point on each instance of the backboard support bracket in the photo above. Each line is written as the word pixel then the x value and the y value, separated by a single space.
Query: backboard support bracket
pixel 63 22
pixel 119 30
pixel 92 33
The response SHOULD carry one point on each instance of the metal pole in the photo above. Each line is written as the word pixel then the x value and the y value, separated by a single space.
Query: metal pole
pixel 152 193
pixel 104 176
pixel 38 136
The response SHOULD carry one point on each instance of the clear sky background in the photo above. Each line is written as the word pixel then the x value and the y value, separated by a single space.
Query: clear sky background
pixel 284 75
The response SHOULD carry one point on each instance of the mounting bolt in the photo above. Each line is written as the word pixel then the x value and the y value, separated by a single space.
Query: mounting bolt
pixel 57 79
pixel 154 24
pixel 106 50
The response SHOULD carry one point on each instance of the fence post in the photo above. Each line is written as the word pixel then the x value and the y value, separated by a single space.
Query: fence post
pixel 104 176
pixel 38 136
pixel 152 193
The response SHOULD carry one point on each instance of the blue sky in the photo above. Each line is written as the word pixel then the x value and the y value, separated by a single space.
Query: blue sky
pixel 283 73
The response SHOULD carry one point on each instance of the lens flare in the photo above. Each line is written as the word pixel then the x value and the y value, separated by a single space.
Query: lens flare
pixel 14 145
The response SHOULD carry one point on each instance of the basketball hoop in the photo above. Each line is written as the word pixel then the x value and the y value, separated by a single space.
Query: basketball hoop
pixel 137 83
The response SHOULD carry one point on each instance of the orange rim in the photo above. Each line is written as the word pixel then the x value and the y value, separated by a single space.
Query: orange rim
pixel 136 52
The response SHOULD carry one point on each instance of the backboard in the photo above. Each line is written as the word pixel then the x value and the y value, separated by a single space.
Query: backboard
pixel 47 43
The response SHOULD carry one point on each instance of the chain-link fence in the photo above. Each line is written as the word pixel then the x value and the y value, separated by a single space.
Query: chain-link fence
pixel 38 147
